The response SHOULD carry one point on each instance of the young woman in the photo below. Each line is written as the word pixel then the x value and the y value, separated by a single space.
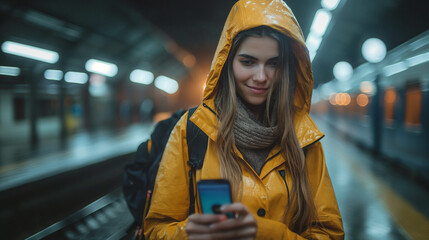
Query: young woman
pixel 261 138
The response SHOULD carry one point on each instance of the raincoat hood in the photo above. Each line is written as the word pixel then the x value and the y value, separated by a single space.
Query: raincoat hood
pixel 247 14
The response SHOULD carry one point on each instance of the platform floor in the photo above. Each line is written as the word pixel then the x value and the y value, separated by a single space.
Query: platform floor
pixel 20 164
pixel 375 200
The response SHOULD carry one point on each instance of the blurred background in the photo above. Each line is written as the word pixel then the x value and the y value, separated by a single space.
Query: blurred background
pixel 83 82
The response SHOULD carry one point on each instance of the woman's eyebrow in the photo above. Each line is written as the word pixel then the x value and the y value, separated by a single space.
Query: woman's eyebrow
pixel 247 56
pixel 254 58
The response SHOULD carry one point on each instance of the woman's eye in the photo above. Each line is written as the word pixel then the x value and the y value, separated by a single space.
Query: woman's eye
pixel 274 63
pixel 246 62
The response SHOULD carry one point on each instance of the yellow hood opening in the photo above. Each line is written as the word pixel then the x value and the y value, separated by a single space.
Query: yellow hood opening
pixel 246 14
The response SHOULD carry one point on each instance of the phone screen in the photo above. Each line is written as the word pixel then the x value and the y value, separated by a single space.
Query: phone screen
pixel 213 194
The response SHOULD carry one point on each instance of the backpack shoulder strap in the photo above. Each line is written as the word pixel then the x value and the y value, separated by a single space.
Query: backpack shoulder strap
pixel 197 147
pixel 197 143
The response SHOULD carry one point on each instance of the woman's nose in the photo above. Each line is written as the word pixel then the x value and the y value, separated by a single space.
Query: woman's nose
pixel 260 74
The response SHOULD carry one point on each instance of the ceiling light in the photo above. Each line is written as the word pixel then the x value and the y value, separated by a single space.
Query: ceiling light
pixel 320 22
pixel 141 76
pixel 313 42
pixel 166 84
pixel 419 59
pixel 52 23
pixel 76 77
pixel 189 60
pixel 330 4
pixel 28 51
pixel 374 50
pixel 395 68
pixel 312 55
pixel 9 71
pixel 101 67
pixel 52 74
pixel 343 71
pixel 367 87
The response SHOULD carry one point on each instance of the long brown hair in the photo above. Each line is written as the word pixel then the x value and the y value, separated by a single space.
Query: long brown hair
pixel 280 99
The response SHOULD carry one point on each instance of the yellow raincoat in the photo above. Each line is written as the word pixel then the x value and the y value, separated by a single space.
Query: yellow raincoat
pixel 167 217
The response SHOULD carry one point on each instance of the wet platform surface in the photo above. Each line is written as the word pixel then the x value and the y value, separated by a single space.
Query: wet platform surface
pixel 22 164
pixel 376 201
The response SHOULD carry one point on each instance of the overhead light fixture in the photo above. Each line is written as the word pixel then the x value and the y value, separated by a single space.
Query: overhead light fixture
pixel 367 87
pixel 31 52
pixel 76 77
pixel 374 50
pixel 101 67
pixel 52 23
pixel 313 42
pixel 166 84
pixel 312 55
pixel 141 76
pixel 189 60
pixel 320 22
pixel 343 71
pixel 10 71
pixel 395 68
pixel 330 4
pixel 419 59
pixel 52 74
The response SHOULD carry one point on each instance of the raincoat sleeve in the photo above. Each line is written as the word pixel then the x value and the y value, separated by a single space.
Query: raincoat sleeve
pixel 168 213
pixel 329 223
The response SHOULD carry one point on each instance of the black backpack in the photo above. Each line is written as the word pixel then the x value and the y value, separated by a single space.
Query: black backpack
pixel 139 177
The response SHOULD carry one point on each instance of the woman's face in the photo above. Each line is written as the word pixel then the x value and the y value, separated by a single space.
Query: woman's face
pixel 254 66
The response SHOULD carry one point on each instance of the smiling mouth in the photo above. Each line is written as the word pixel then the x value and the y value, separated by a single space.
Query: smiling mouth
pixel 257 90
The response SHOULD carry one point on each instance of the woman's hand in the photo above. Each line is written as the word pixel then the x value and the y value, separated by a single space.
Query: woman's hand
pixel 207 226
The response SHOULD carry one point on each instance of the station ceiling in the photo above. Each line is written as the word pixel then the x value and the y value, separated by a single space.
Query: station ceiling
pixel 196 25
pixel 156 34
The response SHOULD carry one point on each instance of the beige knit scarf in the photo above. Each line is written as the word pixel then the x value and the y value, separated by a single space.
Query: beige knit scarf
pixel 252 138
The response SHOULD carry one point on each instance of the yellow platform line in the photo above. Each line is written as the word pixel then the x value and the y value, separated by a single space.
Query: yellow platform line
pixel 415 224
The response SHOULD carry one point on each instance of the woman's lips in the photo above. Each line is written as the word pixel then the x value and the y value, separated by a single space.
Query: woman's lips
pixel 257 90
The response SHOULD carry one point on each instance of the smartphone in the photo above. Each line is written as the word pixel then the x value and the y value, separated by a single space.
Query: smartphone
pixel 213 194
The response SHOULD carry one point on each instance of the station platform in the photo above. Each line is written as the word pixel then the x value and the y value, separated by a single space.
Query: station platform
pixel 43 185
pixel 376 200
pixel 23 164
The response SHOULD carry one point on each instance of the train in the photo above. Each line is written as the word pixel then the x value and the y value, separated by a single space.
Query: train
pixel 384 106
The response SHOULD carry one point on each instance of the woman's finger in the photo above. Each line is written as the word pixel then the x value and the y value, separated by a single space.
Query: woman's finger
pixel 206 218
pixel 200 223
pixel 231 224
pixel 235 207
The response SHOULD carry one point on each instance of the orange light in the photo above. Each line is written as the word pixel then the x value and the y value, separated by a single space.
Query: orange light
pixel 362 100
pixel 338 98
pixel 345 99
pixel 189 60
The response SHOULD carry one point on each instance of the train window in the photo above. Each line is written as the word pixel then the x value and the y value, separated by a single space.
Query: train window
pixel 19 109
pixel 390 97
pixel 48 107
pixel 413 105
